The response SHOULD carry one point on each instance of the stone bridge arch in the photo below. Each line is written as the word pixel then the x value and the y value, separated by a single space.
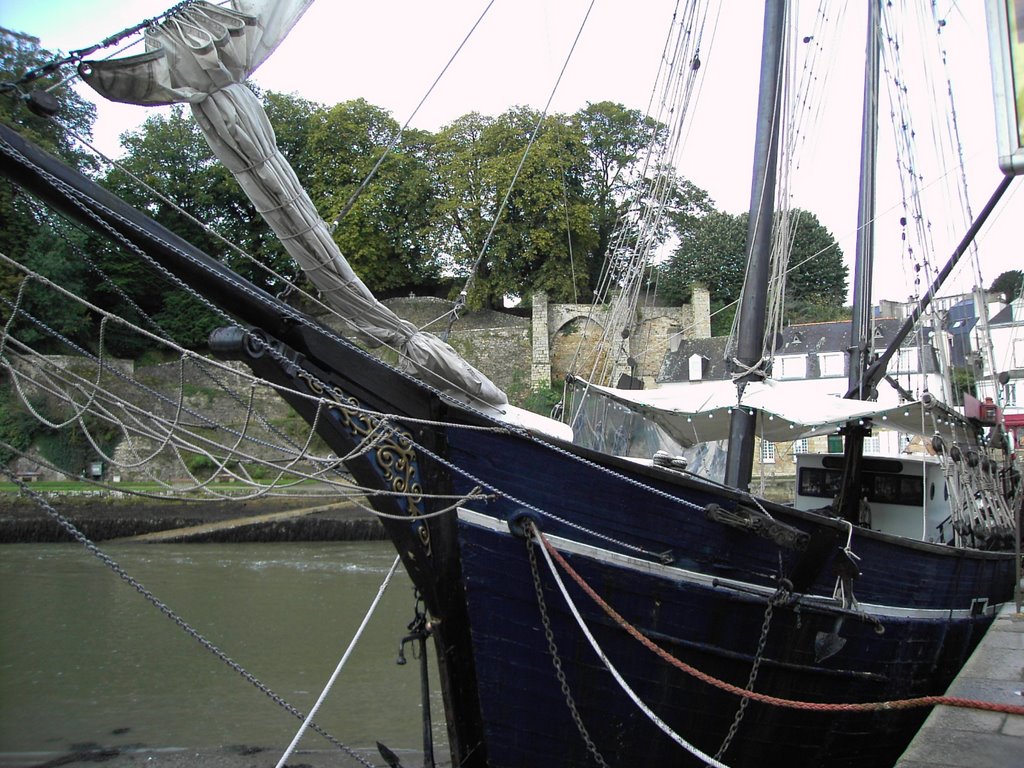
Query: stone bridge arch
pixel 559 330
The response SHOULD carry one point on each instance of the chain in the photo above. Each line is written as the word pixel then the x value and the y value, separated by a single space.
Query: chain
pixel 556 661
pixel 107 560
pixel 781 596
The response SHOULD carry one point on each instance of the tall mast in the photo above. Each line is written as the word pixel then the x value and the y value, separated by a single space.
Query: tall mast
pixel 860 324
pixel 750 328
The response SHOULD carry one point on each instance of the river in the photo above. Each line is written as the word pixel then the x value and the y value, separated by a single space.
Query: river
pixel 87 662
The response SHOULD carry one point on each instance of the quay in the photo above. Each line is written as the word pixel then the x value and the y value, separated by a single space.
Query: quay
pixel 226 529
pixel 953 737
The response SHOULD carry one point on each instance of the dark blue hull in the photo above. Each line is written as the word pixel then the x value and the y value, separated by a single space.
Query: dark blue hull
pixel 700 588
pixel 717 630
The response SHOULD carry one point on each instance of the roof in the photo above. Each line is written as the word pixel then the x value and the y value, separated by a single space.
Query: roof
pixel 803 339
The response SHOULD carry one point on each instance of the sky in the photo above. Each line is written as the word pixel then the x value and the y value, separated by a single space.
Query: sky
pixel 390 52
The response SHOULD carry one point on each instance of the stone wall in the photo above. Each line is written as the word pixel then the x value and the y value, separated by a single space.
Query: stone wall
pixel 575 332
pixel 518 353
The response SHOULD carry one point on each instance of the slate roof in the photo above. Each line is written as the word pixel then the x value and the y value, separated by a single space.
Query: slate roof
pixel 810 339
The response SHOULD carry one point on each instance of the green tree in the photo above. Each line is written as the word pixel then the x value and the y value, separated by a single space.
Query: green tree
pixel 386 233
pixel 617 142
pixel 20 54
pixel 515 239
pixel 817 279
pixel 1010 284
pixel 43 242
pixel 712 251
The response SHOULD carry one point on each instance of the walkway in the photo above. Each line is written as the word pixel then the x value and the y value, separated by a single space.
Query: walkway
pixel 952 737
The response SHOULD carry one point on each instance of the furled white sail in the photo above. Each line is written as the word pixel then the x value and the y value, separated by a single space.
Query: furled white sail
pixel 202 55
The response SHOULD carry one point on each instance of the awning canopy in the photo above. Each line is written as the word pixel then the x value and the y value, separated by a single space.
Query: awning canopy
pixel 786 411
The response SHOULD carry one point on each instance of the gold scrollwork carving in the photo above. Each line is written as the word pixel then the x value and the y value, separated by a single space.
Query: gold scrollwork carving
pixel 395 453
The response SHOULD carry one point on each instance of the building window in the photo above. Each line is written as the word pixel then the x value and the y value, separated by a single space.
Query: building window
pixel 906 361
pixel 792 367
pixel 1010 394
pixel 800 446
pixel 696 367
pixel 832 363
pixel 767 452
pixel 1018 353
pixel 872 444
pixel 835 443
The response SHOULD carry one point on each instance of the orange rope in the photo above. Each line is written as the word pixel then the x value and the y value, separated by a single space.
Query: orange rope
pixel 921 701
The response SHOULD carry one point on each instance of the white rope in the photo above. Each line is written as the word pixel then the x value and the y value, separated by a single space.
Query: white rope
pixel 665 728
pixel 341 664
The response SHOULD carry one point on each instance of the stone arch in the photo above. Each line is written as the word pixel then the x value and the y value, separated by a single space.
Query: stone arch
pixel 577 333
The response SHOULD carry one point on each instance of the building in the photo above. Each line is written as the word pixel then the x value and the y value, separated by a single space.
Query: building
pixel 1005 384
pixel 817 356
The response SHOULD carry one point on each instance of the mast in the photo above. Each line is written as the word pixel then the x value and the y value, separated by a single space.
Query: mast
pixel 750 328
pixel 848 502
pixel 860 324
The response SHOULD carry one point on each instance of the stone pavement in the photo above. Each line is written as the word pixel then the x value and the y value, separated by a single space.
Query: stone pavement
pixel 953 737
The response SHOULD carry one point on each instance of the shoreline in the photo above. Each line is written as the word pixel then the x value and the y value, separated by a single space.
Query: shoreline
pixel 310 517
pixel 187 757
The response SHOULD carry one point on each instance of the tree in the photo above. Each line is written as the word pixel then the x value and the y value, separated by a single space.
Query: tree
pixel 1010 284
pixel 616 140
pixel 712 251
pixel 517 222
pixel 41 241
pixel 20 54
pixel 817 278
pixel 387 232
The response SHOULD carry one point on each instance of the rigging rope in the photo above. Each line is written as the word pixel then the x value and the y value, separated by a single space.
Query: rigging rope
pixel 113 565
pixel 647 711
pixel 878 706
pixel 341 664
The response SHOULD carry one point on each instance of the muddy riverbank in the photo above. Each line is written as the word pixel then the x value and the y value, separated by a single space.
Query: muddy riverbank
pixel 105 517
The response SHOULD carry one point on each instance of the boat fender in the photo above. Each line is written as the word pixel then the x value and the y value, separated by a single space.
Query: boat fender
pixel 756 522
pixel 519 526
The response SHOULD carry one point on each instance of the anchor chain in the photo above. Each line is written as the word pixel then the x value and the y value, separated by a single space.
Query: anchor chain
pixel 781 596
pixel 191 631
pixel 556 660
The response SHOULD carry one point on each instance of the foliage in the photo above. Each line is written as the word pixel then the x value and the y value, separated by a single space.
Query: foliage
pixel 1010 283
pixel 67 449
pixel 542 399
pixel 712 252
pixel 35 237
pixel 514 240
pixel 614 178
pixel 18 55
pixel 18 427
pixel 961 380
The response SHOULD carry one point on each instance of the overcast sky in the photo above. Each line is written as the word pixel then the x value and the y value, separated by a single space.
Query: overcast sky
pixel 390 51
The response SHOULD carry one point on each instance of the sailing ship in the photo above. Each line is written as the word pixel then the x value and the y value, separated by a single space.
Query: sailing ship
pixel 584 606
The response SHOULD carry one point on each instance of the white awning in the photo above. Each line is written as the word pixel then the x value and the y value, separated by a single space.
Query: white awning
pixel 785 410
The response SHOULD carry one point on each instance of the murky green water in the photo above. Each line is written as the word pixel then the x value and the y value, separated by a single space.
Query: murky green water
pixel 86 659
